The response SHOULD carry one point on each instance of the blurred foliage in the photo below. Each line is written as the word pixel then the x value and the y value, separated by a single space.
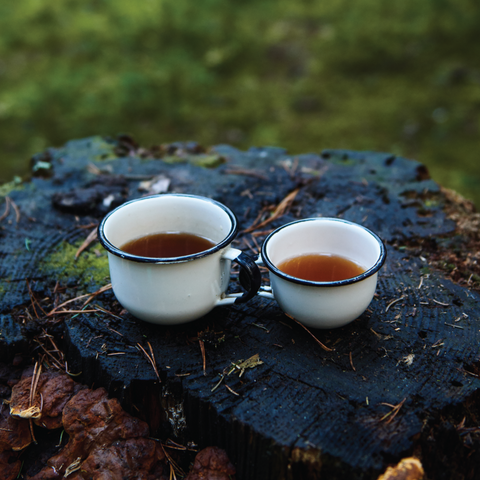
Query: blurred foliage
pixel 402 77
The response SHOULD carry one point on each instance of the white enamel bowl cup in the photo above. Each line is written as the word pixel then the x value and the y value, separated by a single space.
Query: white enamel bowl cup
pixel 323 304
pixel 180 289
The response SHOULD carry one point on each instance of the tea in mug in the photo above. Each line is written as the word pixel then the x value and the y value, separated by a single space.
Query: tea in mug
pixel 320 267
pixel 167 245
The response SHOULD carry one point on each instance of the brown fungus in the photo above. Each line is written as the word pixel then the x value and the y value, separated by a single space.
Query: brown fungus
pixel 43 400
pixel 14 432
pixel 92 422
pixel 211 463
pixel 138 458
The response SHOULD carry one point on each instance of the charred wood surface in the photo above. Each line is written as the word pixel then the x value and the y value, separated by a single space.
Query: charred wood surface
pixel 395 382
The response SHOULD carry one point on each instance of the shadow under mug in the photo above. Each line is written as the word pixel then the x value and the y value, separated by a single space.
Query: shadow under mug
pixel 175 290
pixel 323 304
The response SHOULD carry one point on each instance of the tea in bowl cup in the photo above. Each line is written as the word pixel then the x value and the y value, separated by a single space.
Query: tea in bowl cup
pixel 170 257
pixel 323 271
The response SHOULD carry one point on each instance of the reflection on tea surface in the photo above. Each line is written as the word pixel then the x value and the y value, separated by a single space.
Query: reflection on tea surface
pixel 321 267
pixel 167 245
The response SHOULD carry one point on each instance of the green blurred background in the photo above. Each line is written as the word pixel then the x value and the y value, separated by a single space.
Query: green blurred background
pixel 400 77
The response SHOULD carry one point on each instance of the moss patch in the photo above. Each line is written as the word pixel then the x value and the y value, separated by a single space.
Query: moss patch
pixel 96 148
pixel 89 270
pixel 202 160
pixel 15 184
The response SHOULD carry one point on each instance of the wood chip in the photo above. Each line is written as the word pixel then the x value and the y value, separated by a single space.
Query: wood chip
pixel 408 469
pixel 242 365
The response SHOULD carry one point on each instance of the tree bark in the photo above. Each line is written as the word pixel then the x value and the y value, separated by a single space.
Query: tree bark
pixel 397 381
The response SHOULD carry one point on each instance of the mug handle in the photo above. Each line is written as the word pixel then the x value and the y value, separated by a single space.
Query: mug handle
pixel 250 277
pixel 264 291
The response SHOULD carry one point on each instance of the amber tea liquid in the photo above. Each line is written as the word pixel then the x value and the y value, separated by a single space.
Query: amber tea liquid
pixel 167 245
pixel 320 267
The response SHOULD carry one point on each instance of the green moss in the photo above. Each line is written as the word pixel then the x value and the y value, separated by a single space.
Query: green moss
pixel 90 269
pixel 342 160
pixel 97 148
pixel 15 184
pixel 205 161
pixel 432 203
pixel 425 270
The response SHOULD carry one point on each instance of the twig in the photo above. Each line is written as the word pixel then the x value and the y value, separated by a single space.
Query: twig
pixel 351 363
pixel 257 246
pixel 173 465
pixel 461 370
pixel 242 171
pixel 37 370
pixel 204 358
pixel 393 303
pixel 392 413
pixel 55 361
pixel 32 298
pixel 259 325
pixel 7 209
pixel 17 210
pixel 262 233
pixel 63 312
pixel 52 341
pixel 90 296
pixel 222 377
pixel 151 359
pixel 103 289
pixel 108 312
pixel 281 208
pixel 54 311
pixel 327 349
pixel 92 236
pixel 174 446
pixel 454 326
pixel 232 391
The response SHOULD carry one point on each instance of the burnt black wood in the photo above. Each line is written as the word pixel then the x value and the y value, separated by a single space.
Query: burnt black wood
pixel 304 412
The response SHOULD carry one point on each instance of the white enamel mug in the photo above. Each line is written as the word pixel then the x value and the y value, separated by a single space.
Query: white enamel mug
pixel 175 290
pixel 323 304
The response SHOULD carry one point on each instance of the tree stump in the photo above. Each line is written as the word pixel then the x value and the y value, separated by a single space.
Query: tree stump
pixel 402 379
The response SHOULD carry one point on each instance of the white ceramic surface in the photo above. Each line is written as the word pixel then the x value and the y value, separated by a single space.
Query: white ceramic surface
pixel 323 304
pixel 171 290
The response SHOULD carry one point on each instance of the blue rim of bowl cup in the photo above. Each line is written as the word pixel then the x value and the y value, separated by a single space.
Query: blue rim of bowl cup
pixel 348 281
pixel 111 248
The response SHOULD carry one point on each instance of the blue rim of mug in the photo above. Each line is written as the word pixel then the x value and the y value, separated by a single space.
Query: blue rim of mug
pixel 348 281
pixel 110 247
